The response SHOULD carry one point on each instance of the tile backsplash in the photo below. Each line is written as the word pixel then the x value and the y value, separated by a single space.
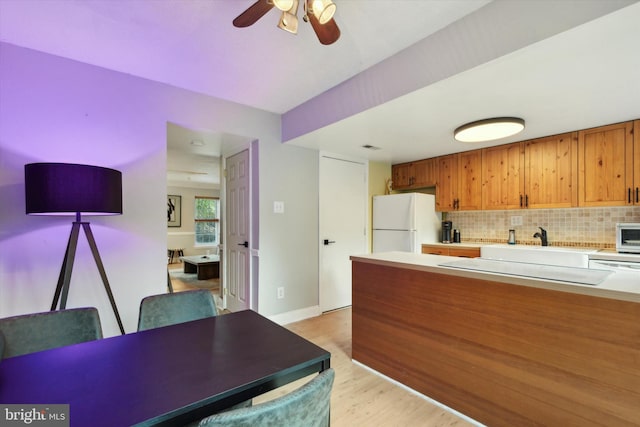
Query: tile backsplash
pixel 577 227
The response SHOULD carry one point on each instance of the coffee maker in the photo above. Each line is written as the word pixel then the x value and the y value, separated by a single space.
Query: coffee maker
pixel 446 231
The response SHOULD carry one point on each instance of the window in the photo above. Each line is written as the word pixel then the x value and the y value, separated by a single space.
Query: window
pixel 207 221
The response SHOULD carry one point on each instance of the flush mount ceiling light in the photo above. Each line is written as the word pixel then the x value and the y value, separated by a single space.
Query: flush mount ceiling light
pixel 489 129
pixel 319 13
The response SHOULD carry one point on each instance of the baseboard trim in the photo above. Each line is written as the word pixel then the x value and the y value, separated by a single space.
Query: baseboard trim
pixel 296 315
pixel 417 393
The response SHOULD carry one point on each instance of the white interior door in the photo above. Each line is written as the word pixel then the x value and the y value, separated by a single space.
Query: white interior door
pixel 343 213
pixel 237 244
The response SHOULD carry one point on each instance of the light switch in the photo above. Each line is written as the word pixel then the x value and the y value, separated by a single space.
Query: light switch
pixel 278 207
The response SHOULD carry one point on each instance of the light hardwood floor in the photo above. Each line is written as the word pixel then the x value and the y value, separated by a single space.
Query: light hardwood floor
pixel 360 397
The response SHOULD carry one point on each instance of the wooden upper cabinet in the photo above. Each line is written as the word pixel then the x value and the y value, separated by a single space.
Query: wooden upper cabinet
pixel 400 175
pixel 419 174
pixel 635 191
pixel 459 182
pixel 551 171
pixel 447 183
pixel 592 167
pixel 470 180
pixel 503 177
pixel 424 173
pixel 605 166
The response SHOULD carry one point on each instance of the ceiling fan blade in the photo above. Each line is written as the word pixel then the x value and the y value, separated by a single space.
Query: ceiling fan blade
pixel 327 33
pixel 253 13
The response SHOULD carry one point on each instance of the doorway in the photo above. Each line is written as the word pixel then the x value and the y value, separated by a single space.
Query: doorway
pixel 342 228
pixel 195 164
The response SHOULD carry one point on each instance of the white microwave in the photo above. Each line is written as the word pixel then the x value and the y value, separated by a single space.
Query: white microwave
pixel 628 237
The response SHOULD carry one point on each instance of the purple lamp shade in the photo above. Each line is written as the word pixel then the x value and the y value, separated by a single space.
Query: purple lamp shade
pixel 70 189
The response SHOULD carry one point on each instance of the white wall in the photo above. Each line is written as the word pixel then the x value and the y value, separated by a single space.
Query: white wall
pixel 58 110
pixel 288 241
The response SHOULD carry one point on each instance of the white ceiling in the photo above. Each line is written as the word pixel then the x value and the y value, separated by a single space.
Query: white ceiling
pixel 587 75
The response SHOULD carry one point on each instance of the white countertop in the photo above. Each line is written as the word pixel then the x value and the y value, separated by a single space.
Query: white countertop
pixel 621 285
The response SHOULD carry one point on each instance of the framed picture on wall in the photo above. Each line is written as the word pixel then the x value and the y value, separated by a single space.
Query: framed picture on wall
pixel 174 211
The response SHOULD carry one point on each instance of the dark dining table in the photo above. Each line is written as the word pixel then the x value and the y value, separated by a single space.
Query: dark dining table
pixel 165 376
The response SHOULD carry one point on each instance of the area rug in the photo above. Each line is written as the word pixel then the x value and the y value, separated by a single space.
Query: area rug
pixel 191 280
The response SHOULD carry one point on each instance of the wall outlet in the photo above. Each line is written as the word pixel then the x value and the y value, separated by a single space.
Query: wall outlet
pixel 516 220
pixel 278 207
pixel 281 292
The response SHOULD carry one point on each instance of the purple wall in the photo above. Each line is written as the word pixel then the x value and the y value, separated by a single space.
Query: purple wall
pixel 57 110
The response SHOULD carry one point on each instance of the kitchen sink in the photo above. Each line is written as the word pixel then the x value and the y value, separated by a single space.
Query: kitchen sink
pixel 546 255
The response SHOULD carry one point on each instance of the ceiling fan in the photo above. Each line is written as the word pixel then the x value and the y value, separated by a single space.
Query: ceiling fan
pixel 319 13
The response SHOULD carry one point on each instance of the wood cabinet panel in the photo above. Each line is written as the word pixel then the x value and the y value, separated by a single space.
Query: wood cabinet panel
pixel 434 250
pixel 424 173
pixel 464 252
pixel 459 251
pixel 470 180
pixel 503 177
pixel 551 171
pixel 505 355
pixel 459 181
pixel 418 174
pixel 400 175
pixel 447 183
pixel 605 165
pixel 635 191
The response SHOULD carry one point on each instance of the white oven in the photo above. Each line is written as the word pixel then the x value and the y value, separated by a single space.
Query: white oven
pixel 628 237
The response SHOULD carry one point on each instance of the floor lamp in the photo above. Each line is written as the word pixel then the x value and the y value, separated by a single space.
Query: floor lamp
pixel 71 189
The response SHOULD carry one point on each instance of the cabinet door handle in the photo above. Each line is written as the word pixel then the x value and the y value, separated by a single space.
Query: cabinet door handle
pixel 629 195
pixel 526 201
pixel 521 200
pixel 637 194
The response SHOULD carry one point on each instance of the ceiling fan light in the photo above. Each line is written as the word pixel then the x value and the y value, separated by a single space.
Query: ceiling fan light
pixel 489 129
pixel 323 10
pixel 283 5
pixel 288 22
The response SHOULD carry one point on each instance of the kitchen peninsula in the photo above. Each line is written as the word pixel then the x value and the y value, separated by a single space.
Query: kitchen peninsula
pixel 502 350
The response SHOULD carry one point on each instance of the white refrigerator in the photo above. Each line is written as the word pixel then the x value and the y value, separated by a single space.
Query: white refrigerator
pixel 402 222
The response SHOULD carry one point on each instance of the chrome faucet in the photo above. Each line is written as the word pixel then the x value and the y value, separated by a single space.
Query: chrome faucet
pixel 542 235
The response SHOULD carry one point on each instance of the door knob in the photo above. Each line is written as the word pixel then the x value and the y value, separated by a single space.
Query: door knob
pixel 245 244
pixel 327 242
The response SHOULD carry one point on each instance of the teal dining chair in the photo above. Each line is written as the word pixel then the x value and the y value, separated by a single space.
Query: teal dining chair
pixel 308 406
pixel 30 333
pixel 178 307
